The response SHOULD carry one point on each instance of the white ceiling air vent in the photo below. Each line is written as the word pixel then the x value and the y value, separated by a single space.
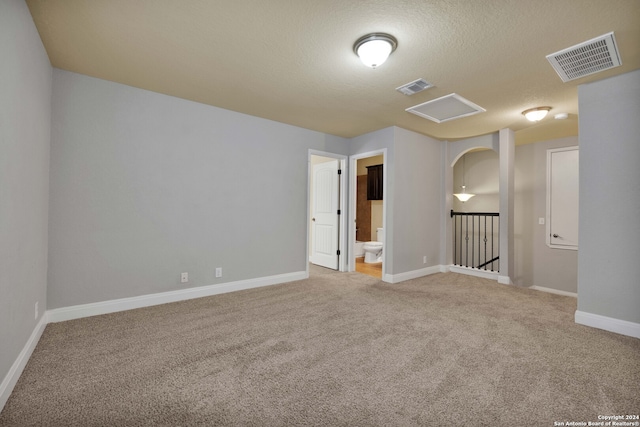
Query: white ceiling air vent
pixel 443 109
pixel 586 58
pixel 414 87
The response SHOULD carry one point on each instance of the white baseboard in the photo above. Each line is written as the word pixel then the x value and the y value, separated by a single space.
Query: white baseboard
pixel 112 306
pixel 554 291
pixel 401 277
pixel 122 304
pixel 10 380
pixel 610 324
pixel 475 272
pixel 505 280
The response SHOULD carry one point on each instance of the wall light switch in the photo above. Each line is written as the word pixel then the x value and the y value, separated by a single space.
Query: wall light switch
pixel 541 221
pixel 219 272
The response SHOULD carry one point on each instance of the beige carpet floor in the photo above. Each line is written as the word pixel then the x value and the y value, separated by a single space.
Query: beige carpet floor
pixel 339 349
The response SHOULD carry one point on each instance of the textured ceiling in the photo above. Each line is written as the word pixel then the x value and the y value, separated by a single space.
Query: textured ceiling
pixel 292 60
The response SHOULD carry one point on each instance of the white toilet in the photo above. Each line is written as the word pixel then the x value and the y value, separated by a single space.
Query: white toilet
pixel 373 250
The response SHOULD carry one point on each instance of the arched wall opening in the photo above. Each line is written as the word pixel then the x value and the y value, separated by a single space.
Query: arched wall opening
pixel 478 170
pixel 501 142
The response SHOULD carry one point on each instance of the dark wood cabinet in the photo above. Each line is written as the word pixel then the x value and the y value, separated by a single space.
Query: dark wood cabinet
pixel 374 182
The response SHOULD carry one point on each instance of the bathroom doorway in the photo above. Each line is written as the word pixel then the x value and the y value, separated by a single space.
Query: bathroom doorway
pixel 367 213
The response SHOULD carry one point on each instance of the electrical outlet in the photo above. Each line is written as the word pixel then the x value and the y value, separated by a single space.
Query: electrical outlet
pixel 424 259
pixel 219 272
pixel 184 277
pixel 36 310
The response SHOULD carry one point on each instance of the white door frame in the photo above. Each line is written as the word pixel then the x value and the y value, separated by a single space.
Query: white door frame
pixel 342 241
pixel 353 179
pixel 557 243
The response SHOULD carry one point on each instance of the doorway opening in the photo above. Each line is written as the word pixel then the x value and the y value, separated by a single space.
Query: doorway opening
pixel 326 218
pixel 367 243
pixel 475 222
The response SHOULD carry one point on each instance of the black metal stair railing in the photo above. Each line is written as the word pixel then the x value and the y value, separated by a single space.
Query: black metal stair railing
pixel 476 240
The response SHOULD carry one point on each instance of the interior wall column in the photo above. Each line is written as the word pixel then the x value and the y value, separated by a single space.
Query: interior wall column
pixel 507 157
pixel 446 234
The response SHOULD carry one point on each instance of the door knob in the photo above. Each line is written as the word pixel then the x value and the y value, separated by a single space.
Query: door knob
pixel 555 236
pixel 313 219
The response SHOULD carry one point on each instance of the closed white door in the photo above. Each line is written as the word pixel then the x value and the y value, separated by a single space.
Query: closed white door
pixel 562 197
pixel 324 220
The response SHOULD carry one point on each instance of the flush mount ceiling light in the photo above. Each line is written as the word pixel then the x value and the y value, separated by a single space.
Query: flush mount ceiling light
pixel 536 114
pixel 373 49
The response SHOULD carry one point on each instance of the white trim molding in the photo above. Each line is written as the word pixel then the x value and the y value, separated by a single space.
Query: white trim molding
pixel 353 179
pixel 554 291
pixel 401 277
pixel 475 272
pixel 610 324
pixel 122 304
pixel 505 280
pixel 10 380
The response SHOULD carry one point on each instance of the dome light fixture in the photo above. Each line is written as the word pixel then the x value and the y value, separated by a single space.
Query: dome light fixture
pixel 374 49
pixel 536 114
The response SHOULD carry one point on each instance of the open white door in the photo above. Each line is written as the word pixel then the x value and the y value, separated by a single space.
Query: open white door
pixel 324 215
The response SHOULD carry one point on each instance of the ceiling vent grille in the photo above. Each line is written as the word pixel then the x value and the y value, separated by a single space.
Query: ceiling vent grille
pixel 414 87
pixel 443 109
pixel 586 58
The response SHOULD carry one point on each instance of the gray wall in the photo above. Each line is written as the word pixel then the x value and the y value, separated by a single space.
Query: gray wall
pixel 608 267
pixel 536 264
pixel 25 112
pixel 417 210
pixel 145 186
